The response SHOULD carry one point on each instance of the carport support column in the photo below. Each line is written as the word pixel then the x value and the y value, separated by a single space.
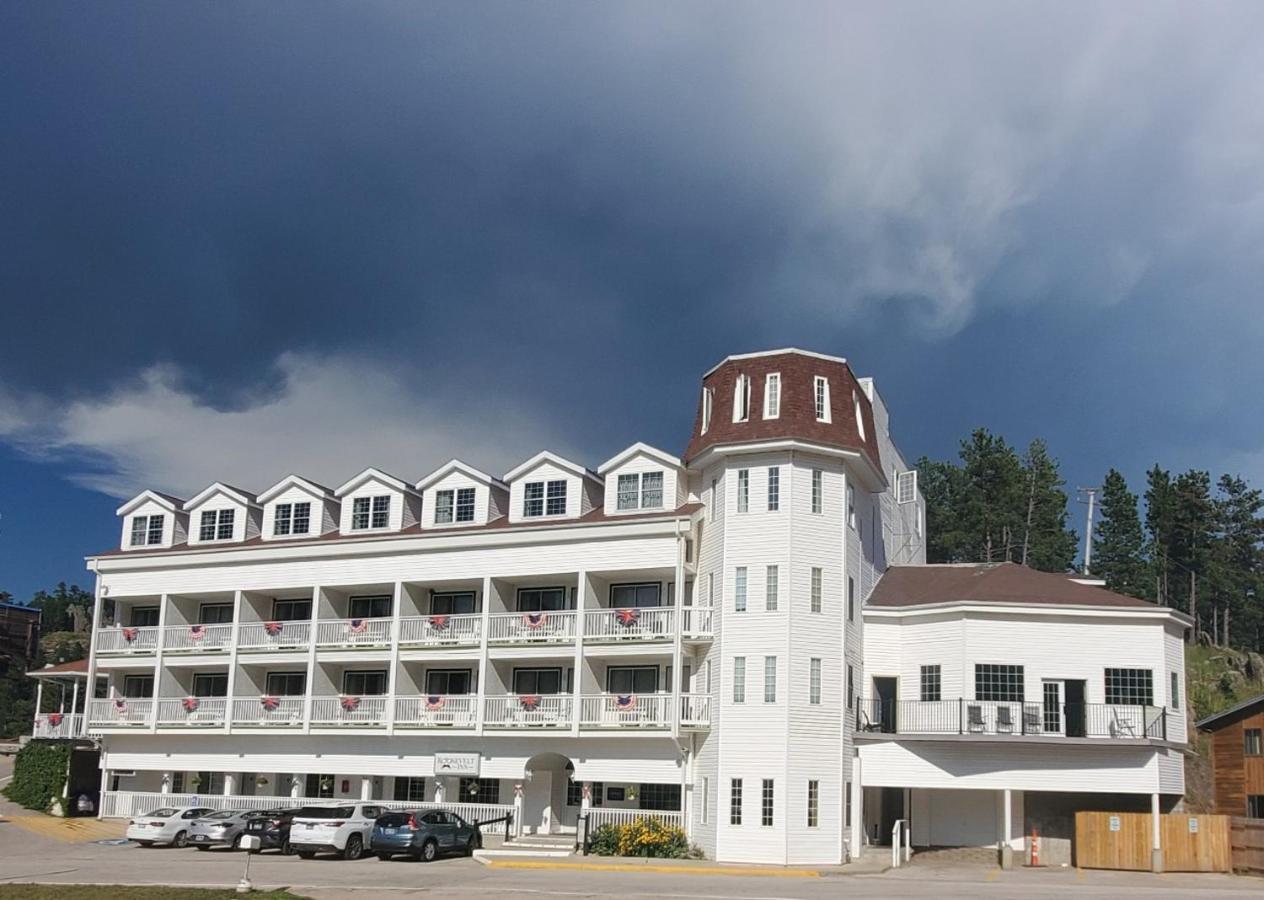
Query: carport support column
pixel 296 787
pixel 857 809
pixel 230 783
pixel 167 778
pixel 366 787
pixel 1007 829
pixel 1156 835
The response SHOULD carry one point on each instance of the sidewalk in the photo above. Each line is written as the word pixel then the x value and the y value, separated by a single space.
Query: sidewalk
pixel 668 866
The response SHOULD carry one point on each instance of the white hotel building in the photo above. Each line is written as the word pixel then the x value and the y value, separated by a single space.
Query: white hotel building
pixel 692 637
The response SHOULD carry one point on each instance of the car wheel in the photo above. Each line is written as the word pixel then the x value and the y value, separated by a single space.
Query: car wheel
pixel 237 841
pixel 181 840
pixel 306 854
pixel 429 850
pixel 355 847
pixel 469 846
pixel 383 856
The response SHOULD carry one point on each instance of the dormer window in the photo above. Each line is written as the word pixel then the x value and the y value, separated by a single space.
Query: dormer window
pixel 640 490
pixel 146 530
pixel 821 393
pixel 741 398
pixel 292 518
pixel 860 419
pixel 706 409
pixel 370 512
pixel 772 396
pixel 454 506
pixel 217 525
pixel 544 499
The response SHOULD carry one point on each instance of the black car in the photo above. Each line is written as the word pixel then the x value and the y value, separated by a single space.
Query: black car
pixel 272 828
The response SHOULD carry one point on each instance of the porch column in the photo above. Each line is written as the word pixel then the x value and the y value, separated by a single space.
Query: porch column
pixel 441 790
pixel 585 802
pixel 1007 829
pixel 296 787
pixel 74 698
pixel 165 788
pixel 39 697
pixel 61 700
pixel 1156 835
pixel 517 813
pixel 105 786
pixel 230 783
pixel 857 809
pixel 366 787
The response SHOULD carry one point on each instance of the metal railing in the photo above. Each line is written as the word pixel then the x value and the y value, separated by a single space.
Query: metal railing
pixel 347 709
pixel 439 631
pixel 625 711
pixel 58 725
pixel 121 712
pixel 263 636
pixel 631 624
pixel 124 639
pixel 532 627
pixel 268 712
pixel 437 711
pixel 354 632
pixel 1092 720
pixel 192 712
pixel 529 711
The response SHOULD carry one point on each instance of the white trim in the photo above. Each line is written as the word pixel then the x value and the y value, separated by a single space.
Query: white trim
pixel 768 382
pixel 784 350
pixel 316 490
pixel 219 487
pixel 817 382
pixel 550 457
pixel 1030 609
pixel 171 504
pixel 455 465
pixel 876 483
pixel 639 447
pixel 373 474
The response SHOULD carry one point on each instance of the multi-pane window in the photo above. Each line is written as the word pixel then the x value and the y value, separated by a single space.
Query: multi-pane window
pixel 411 790
pixel 370 512
pixel 998 683
pixel 138 531
pixel 774 488
pixel 544 498
pixel 454 506
pixel 1253 741
pixel 370 607
pixel 814 804
pixel 930 684
pixel 137 686
pixel 154 534
pixel 765 818
pixel 1176 690
pixel 906 486
pixel 145 616
pixel 659 797
pixel 1130 686
pixel 286 684
pixel 480 790
pixel 291 610
pixel 541 599
pixel 743 490
pixel 465 504
pixel 292 518
pixel 815 593
pixel 640 490
pixel 814 681
pixel 851 599
pixel 441 682
pixel 320 786
pixel 739 589
pixel 817 489
pixel 739 679
pixel 851 505
pixel 630 491
pixel 371 684
pixel 216 525
pixel 215 614
pixel 772 588
pixel 770 679
pixel 820 394
pixel 555 498
pixel 533 499
pixel 735 801
pixel 645 594
pixel 772 395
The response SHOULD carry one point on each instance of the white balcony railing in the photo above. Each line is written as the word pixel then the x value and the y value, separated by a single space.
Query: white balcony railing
pixel 695 710
pixel 354 633
pixel 123 639
pixel 440 631
pixel 268 712
pixel 58 725
pixel 697 622
pixel 529 711
pixel 192 712
pixel 347 709
pixel 120 712
pixel 196 638
pixel 263 636
pixel 603 815
pixel 625 711
pixel 550 626
pixel 436 711
pixel 631 624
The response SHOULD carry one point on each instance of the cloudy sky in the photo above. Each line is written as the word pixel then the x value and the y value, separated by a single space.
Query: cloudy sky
pixel 238 240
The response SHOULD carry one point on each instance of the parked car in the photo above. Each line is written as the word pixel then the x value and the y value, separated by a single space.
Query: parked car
pixel 221 829
pixel 423 834
pixel 272 828
pixel 343 829
pixel 165 825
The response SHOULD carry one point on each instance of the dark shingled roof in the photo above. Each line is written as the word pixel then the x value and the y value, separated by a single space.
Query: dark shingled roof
pixel 904 586
pixel 1224 717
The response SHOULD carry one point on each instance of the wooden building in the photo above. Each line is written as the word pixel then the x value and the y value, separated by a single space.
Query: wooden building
pixel 1237 758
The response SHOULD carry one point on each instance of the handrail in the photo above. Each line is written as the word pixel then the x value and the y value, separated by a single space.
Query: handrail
pixel 895 842
pixel 507 818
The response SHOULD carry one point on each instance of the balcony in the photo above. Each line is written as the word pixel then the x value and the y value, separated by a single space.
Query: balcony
pixel 354 634
pixel 1003 720
pixel 268 712
pixel 624 711
pixel 197 638
pixel 192 712
pixel 59 725
pixel 121 712
pixel 697 623
pixel 263 637
pixel 348 711
pixel 440 631
pixel 548 627
pixel 126 640
pixel 605 626
pixel 436 711
pixel 529 711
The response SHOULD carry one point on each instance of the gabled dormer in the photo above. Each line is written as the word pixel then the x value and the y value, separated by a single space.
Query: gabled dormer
pixel 374 502
pixel 152 521
pixel 642 479
pixel 295 507
pixel 549 487
pixel 456 495
pixel 222 514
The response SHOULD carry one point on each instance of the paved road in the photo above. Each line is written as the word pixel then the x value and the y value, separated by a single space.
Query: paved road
pixel 27 855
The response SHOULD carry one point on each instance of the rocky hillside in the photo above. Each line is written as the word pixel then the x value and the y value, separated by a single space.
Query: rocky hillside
pixel 1216 678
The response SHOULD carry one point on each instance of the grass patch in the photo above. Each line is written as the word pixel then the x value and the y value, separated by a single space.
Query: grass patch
pixel 128 892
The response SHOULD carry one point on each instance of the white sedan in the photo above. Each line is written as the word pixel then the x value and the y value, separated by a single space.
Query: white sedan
pixel 166 825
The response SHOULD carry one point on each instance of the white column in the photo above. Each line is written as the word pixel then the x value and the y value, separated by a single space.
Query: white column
pixel 230 783
pixel 441 790
pixel 480 692
pixel 231 691
pixel 366 787
pixel 1007 829
pixel 296 786
pixel 857 809
pixel 311 660
pixel 678 620
pixel 166 783
pixel 164 601
pixel 39 697
pixel 517 813
pixel 392 677
pixel 91 684
pixel 61 700
pixel 1156 835
pixel 577 689
pixel 74 698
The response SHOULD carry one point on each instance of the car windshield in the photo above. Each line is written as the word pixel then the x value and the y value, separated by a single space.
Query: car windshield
pixel 225 814
pixel 325 812
pixel 165 813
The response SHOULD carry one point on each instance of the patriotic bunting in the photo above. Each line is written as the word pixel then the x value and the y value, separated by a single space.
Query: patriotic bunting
pixel 434 702
pixel 270 703
pixel 190 704
pixel 272 628
pixel 350 704
pixel 534 620
pixel 628 617
pixel 529 702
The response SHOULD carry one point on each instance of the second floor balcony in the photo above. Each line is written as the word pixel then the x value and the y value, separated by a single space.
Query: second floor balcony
pixel 1006 719
pixel 56 725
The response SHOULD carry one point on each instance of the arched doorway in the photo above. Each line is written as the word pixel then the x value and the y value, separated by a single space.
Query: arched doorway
pixel 546 778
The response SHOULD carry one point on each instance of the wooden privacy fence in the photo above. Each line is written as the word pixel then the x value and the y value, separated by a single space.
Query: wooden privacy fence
pixel 1123 841
pixel 1247 836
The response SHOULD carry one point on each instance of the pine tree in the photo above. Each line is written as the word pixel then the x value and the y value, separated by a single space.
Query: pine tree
pixel 1193 530
pixel 938 482
pixel 1235 562
pixel 1047 543
pixel 991 494
pixel 1118 544
pixel 1160 531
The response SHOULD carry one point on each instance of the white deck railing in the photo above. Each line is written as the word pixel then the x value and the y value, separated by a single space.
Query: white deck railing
pixel 529 711
pixel 601 815
pixel 263 636
pixel 121 712
pixel 354 633
pixel 58 725
pixel 437 711
pixel 347 709
pixel 625 711
pixel 697 622
pixel 196 638
pixel 631 624
pixel 268 712
pixel 192 712
pixel 122 639
pixel 532 627
pixel 438 631
pixel 695 710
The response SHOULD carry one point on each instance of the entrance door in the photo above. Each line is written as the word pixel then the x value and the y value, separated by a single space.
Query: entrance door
pixel 1051 720
pixel 892 810
pixel 1076 710
pixel 885 691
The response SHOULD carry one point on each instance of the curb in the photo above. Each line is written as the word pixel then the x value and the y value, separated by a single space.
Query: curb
pixel 651 867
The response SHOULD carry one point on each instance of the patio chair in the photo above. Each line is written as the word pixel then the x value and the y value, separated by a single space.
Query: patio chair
pixel 1121 725
pixel 974 718
pixel 1004 720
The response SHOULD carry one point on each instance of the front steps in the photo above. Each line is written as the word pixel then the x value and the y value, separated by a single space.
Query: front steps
pixel 532 846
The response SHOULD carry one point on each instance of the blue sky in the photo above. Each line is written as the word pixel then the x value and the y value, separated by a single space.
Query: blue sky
pixel 246 239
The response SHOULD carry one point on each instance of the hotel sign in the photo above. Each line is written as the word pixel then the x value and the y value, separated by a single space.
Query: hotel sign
pixel 457 764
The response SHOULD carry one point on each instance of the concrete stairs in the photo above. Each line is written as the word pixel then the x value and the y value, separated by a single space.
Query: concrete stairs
pixel 531 846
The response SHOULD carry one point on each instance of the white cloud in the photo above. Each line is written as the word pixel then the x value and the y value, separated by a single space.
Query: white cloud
pixel 328 419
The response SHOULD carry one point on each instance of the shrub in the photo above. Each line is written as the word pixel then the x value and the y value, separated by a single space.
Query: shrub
pixel 647 837
pixel 39 774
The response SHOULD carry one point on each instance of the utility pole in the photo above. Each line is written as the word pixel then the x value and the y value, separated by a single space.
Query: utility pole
pixel 1091 494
